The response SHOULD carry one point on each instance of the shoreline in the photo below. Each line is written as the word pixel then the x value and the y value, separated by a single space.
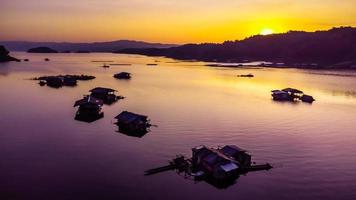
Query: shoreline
pixel 229 64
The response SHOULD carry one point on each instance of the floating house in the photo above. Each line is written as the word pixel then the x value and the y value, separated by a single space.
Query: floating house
pixel 214 163
pixel 132 122
pixel 62 80
pixel 123 75
pixel 219 167
pixel 291 94
pixel 89 109
pixel 220 163
pixel 105 94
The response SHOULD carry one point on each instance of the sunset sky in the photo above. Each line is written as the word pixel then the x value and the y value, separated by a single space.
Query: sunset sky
pixel 169 21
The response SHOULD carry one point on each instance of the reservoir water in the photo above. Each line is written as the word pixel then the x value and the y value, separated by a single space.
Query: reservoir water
pixel 46 154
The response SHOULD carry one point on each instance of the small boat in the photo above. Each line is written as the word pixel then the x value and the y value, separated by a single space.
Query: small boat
pixel 246 75
pixel 105 66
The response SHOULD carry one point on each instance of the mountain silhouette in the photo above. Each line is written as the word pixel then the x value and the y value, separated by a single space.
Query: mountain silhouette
pixel 82 47
pixel 4 55
pixel 334 47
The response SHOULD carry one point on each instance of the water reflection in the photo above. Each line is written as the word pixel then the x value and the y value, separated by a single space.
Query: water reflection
pixel 223 184
pixel 132 133
pixel 4 69
pixel 344 93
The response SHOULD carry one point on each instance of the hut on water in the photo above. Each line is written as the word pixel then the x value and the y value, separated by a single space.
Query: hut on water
pixel 279 95
pixel 106 94
pixel 219 167
pixel 123 75
pixel 89 109
pixel 132 123
pixel 220 163
pixel 291 94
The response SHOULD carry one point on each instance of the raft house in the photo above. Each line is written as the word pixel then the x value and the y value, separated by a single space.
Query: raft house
pixel 291 94
pixel 89 109
pixel 58 81
pixel 122 75
pixel 106 94
pixel 62 80
pixel 132 123
pixel 218 164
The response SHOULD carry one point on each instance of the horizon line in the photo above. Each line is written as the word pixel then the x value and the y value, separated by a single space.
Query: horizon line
pixel 163 43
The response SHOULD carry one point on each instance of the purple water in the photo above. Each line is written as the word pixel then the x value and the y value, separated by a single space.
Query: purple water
pixel 46 154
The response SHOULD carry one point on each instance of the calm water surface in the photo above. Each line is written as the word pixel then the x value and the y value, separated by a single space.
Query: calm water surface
pixel 46 154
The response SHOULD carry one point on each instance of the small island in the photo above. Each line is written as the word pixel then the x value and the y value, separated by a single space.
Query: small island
pixel 4 55
pixel 42 50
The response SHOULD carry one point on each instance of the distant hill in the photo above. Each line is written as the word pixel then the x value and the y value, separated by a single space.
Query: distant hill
pixel 335 47
pixel 42 50
pixel 82 47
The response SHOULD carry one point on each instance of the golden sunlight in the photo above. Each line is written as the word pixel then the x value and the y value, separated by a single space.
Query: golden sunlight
pixel 266 31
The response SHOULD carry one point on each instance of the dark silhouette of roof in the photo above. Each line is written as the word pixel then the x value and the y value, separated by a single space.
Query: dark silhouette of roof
pixel 102 90
pixel 122 75
pixel 296 49
pixel 129 117
pixel 89 100
pixel 292 90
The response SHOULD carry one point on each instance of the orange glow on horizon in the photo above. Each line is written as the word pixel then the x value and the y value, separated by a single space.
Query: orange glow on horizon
pixel 166 21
